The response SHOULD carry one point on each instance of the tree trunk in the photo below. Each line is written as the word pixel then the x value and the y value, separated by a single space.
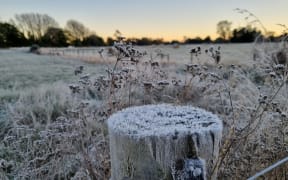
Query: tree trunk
pixel 163 142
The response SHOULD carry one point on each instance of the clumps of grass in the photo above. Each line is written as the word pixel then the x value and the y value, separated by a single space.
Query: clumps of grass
pixel 257 144
pixel 230 92
pixel 60 131
pixel 53 134
pixel 40 106
pixel 63 150
pixel 8 95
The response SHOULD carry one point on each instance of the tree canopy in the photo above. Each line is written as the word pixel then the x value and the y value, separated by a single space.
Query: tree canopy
pixel 93 40
pixel 34 25
pixel 244 34
pixel 55 37
pixel 224 29
pixel 34 28
pixel 77 30
pixel 10 36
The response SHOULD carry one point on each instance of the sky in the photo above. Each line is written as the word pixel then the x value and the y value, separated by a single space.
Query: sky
pixel 167 19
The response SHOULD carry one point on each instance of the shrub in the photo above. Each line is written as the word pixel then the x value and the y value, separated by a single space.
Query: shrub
pixel 35 49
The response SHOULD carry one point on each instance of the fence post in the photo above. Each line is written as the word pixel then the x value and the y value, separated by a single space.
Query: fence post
pixel 163 142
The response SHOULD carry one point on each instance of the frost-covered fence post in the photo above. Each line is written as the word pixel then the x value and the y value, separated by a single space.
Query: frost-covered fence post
pixel 163 142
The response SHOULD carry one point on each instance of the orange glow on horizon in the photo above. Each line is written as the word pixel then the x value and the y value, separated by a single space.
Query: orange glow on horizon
pixel 168 36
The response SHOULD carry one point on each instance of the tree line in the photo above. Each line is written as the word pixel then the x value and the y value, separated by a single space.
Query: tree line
pixel 34 28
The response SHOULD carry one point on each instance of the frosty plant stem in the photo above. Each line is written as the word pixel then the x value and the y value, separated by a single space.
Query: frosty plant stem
pixel 251 15
pixel 229 141
pixel 259 117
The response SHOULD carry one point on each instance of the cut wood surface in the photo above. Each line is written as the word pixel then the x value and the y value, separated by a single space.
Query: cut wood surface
pixel 163 142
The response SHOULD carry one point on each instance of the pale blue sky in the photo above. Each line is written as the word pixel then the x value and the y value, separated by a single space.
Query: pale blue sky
pixel 168 19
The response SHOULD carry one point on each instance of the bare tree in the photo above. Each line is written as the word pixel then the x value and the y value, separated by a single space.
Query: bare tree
pixel 224 29
pixel 77 29
pixel 34 25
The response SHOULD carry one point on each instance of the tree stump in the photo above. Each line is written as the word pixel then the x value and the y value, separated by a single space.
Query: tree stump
pixel 163 142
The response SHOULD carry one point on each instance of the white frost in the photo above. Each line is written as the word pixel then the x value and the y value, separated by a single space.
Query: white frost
pixel 163 120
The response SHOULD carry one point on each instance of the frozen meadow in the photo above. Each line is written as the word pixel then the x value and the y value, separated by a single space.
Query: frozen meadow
pixel 53 120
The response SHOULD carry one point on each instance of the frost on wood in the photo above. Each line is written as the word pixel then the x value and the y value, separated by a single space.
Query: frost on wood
pixel 162 142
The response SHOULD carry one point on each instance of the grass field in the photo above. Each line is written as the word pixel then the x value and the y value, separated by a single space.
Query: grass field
pixel 49 131
pixel 21 71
